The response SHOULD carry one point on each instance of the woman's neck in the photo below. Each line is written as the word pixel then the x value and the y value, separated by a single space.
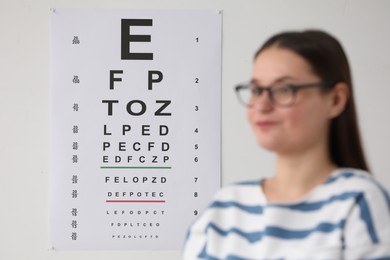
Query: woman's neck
pixel 297 174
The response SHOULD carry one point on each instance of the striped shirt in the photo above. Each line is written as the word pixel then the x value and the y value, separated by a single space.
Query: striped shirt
pixel 346 217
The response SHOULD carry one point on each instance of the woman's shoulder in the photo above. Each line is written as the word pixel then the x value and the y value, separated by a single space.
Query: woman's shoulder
pixel 360 182
pixel 353 178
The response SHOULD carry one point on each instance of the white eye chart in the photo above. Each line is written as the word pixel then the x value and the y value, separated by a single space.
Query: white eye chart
pixel 135 126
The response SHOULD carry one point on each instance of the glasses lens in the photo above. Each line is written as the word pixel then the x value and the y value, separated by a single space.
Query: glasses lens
pixel 283 95
pixel 245 95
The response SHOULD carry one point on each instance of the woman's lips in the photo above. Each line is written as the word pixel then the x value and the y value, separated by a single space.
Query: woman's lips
pixel 265 124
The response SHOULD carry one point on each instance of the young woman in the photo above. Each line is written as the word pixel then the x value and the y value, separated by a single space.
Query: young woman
pixel 321 203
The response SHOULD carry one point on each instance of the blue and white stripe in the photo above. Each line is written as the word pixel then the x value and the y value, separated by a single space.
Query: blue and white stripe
pixel 346 217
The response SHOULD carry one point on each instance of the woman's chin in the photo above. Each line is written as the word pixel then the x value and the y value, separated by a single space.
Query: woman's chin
pixel 269 146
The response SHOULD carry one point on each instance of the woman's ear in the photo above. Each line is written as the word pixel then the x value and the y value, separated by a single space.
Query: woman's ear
pixel 339 98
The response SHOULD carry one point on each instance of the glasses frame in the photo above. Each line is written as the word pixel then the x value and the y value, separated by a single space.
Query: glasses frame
pixel 294 89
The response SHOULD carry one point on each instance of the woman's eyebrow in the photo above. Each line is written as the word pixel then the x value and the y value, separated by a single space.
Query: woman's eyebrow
pixel 278 80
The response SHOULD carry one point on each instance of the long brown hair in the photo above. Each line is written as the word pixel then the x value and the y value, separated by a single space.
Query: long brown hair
pixel 328 60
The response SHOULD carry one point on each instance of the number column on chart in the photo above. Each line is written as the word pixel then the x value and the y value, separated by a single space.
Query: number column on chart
pixel 195 146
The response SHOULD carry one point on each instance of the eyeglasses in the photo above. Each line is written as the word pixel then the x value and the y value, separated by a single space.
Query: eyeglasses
pixel 279 94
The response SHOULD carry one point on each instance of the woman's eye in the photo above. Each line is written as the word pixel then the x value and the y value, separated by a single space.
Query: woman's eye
pixel 256 91
pixel 282 90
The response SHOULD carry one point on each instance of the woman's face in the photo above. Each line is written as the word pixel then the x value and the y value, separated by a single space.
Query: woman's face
pixel 295 128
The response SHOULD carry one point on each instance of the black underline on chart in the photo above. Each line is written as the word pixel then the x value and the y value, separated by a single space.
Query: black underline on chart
pixel 133 201
pixel 137 167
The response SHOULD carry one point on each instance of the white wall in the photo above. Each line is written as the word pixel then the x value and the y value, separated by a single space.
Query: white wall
pixel 362 27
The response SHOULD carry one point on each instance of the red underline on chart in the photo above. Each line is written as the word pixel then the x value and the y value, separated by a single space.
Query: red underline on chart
pixel 135 201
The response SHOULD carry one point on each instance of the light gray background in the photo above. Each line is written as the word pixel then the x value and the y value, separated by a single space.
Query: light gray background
pixel 361 26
